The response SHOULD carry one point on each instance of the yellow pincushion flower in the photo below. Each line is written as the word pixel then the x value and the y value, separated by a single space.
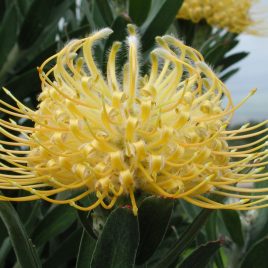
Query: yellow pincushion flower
pixel 233 15
pixel 163 133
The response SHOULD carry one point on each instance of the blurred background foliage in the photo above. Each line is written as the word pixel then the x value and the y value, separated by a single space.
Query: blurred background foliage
pixel 167 233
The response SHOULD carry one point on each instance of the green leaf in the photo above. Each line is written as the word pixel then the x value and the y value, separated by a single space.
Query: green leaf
pixel 86 248
pixel 40 15
pixel 18 88
pixel 4 251
pixel 256 257
pixel 185 239
pixel 22 7
pixel 186 30
pixel 138 10
pixel 37 57
pixel 66 251
pixel 233 225
pixel 8 36
pixel 154 216
pixel 117 245
pixel 23 247
pixel 193 34
pixel 190 210
pixel 216 53
pixel 95 17
pixel 159 20
pixel 212 230
pixel 259 227
pixel 87 222
pixel 2 9
pixel 106 11
pixel 202 255
pixel 229 74
pixel 232 59
pixel 86 11
pixel 55 222
pixel 3 231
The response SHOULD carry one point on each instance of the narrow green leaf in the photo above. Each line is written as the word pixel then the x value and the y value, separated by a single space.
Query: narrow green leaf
pixel 256 257
pixel 55 222
pixel 190 210
pixel 40 13
pixel 154 217
pixel 4 251
pixel 229 74
pixel 37 57
pixel 86 248
pixel 117 245
pixel 202 255
pixel 8 35
pixel 22 7
pixel 186 30
pixel 94 16
pixel 233 225
pixel 216 53
pixel 3 231
pixel 86 12
pixel 233 59
pixel 259 227
pixel 87 222
pixel 193 34
pixel 212 230
pixel 159 20
pixel 138 10
pixel 106 11
pixel 24 249
pixel 2 9
pixel 220 39
pixel 66 251
pixel 186 238
pixel 17 85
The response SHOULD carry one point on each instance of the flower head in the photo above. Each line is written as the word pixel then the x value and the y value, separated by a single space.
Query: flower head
pixel 233 15
pixel 162 133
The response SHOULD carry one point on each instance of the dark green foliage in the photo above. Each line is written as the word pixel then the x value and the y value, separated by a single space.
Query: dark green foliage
pixel 138 10
pixel 8 33
pixel 65 250
pixel 233 224
pixel 56 221
pixel 24 249
pixel 257 255
pixel 202 255
pixel 86 248
pixel 154 217
pixel 119 241
pixel 259 227
pixel 158 21
pixel 106 11
pixel 86 220
pixel 187 237
pixel 35 22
